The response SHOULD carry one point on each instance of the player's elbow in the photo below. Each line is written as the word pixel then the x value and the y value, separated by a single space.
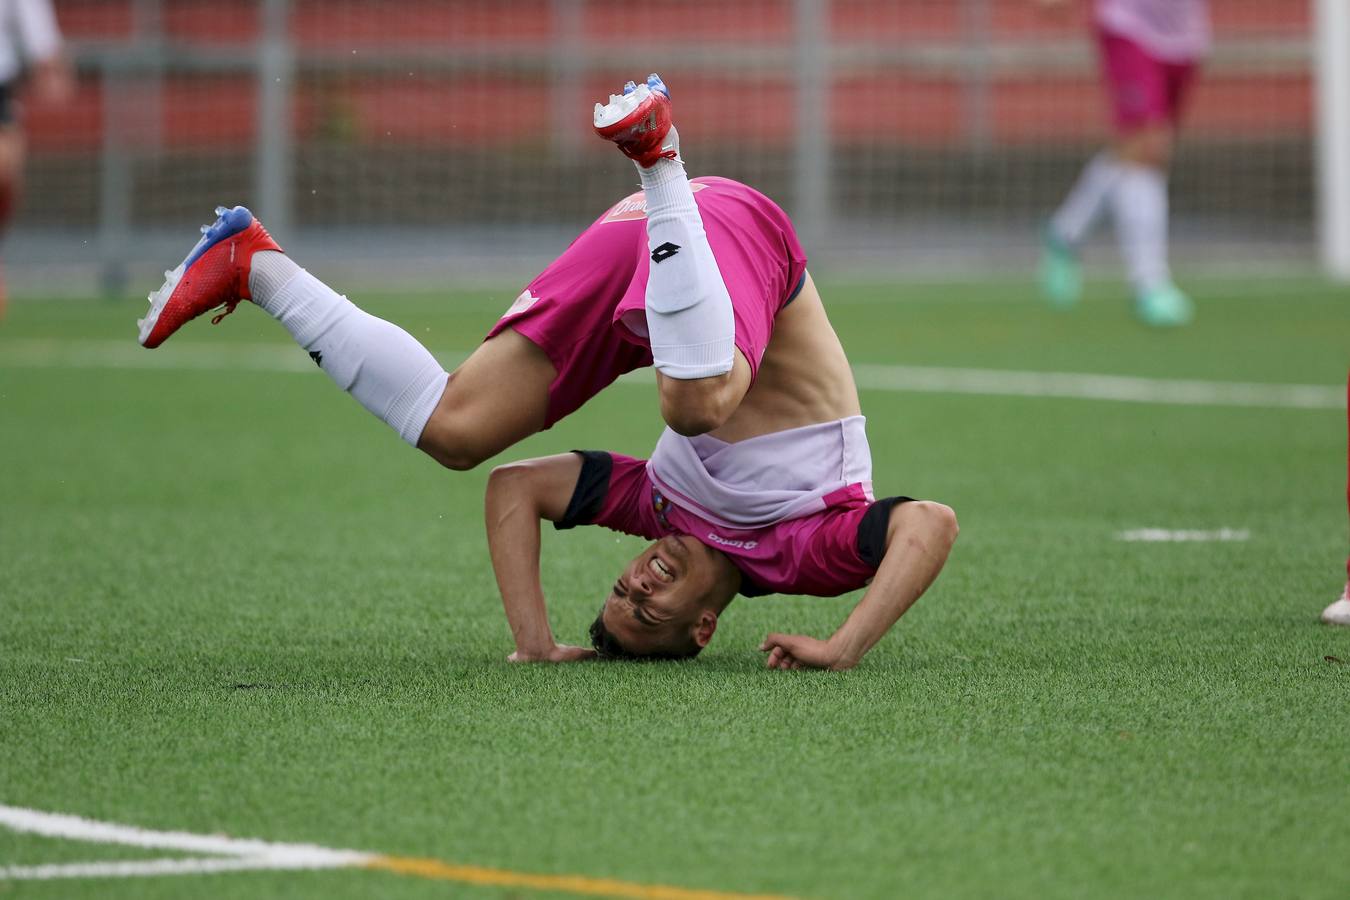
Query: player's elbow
pixel 942 522
pixel 510 478
pixel 935 521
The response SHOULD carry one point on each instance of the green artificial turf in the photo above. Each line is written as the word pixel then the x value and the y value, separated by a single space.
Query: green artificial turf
pixel 232 602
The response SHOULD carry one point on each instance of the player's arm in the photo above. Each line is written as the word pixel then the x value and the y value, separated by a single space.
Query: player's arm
pixel 53 77
pixel 919 536
pixel 519 495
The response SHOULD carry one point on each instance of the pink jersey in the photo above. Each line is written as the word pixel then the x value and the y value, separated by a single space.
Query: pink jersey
pixel 828 552
pixel 587 310
pixel 1175 31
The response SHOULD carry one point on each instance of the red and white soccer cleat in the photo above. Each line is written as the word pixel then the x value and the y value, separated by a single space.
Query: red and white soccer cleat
pixel 214 274
pixel 639 122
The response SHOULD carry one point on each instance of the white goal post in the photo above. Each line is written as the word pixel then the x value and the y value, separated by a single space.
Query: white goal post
pixel 1331 33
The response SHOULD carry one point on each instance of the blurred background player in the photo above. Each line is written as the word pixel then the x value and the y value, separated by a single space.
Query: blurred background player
pixel 1150 52
pixel 1338 613
pixel 30 50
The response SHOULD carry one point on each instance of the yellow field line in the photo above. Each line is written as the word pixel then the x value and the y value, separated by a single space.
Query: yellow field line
pixel 569 884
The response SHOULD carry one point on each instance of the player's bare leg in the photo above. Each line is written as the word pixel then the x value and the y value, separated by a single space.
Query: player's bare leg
pixel 11 171
pixel 690 322
pixel 497 397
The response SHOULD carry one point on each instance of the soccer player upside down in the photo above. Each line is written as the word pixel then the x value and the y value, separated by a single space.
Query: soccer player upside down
pixel 761 482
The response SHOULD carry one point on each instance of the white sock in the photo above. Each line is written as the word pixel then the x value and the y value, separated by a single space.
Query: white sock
pixel 378 363
pixel 690 323
pixel 1081 209
pixel 1140 203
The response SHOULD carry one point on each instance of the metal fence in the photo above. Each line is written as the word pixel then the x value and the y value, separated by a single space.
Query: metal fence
pixel 432 140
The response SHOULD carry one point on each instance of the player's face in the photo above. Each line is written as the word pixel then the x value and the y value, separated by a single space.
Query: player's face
pixel 656 600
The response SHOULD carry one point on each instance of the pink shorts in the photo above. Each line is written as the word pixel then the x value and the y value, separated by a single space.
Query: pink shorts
pixel 827 553
pixel 586 310
pixel 1144 90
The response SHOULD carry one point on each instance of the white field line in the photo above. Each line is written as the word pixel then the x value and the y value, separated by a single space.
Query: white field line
pixel 238 853
pixel 150 867
pixel 255 357
pixel 33 353
pixel 1170 535
pixel 1082 386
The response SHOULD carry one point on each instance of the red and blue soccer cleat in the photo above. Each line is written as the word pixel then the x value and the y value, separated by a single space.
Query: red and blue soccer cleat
pixel 639 122
pixel 215 274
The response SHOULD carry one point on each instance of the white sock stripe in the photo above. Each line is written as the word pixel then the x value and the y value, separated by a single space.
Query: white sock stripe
pixel 411 411
pixel 695 360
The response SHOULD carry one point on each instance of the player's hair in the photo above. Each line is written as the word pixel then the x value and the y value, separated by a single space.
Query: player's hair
pixel 608 646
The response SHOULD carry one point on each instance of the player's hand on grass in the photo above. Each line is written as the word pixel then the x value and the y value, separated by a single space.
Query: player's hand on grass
pixel 558 653
pixel 799 651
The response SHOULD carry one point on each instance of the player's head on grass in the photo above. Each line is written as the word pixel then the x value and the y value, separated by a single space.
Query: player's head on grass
pixel 665 602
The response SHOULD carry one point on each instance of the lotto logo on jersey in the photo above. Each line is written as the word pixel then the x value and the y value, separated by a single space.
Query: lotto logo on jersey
pixel 635 206
pixel 728 542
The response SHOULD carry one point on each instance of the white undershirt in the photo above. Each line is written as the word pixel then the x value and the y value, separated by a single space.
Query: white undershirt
pixel 28 33
pixel 763 480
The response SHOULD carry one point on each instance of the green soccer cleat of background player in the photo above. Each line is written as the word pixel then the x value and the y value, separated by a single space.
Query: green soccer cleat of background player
pixel 1061 274
pixel 1164 306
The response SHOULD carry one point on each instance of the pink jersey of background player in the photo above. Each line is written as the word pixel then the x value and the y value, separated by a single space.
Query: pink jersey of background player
pixel 1171 30
pixel 1150 52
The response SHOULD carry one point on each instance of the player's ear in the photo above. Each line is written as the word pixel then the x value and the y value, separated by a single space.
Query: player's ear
pixel 704 627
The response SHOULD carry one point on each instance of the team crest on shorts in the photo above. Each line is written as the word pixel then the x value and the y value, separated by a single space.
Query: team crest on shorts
pixel 634 206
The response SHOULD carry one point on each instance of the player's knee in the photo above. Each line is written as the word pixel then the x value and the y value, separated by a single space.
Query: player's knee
pixel 450 446
pixel 697 406
pixel 691 422
pixel 691 411
pixel 460 462
pixel 458 459
pixel 1150 147
pixel 1158 153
